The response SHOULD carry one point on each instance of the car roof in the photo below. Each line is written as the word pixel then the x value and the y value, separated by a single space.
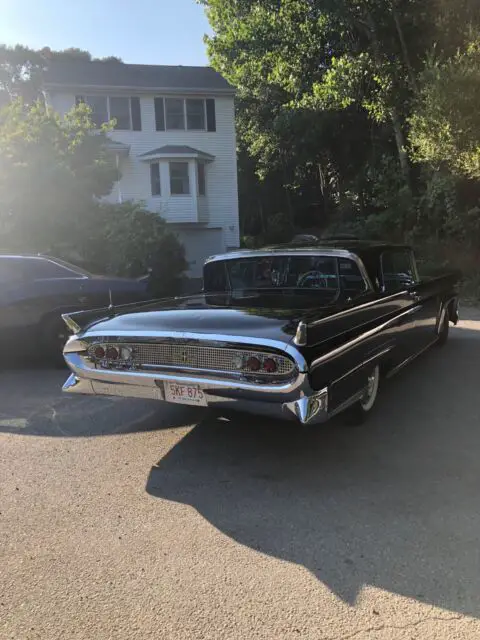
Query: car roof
pixel 29 256
pixel 340 248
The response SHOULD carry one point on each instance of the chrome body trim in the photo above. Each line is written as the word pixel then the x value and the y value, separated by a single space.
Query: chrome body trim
pixel 300 338
pixel 310 409
pixel 82 368
pixel 366 362
pixel 348 345
pixel 365 305
pixel 291 251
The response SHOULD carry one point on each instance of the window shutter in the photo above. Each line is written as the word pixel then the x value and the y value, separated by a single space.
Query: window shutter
pixel 136 115
pixel 155 178
pixel 211 124
pixel 159 114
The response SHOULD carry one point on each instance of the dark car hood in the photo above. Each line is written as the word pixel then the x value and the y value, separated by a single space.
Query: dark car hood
pixel 210 315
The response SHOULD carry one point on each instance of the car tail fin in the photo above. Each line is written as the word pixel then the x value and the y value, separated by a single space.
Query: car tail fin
pixel 81 320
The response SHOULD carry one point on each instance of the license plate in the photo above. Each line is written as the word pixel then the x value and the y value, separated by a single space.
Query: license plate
pixel 185 394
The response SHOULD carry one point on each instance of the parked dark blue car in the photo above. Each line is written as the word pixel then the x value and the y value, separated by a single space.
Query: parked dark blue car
pixel 36 290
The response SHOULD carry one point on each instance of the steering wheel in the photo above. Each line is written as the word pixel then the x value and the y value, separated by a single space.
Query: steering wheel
pixel 319 280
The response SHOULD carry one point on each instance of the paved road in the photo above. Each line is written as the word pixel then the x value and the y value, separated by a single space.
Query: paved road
pixel 127 520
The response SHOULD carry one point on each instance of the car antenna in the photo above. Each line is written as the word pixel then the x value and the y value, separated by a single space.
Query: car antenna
pixel 111 308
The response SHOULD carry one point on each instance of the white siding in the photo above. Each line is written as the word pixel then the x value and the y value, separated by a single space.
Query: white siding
pixel 219 207
pixel 200 244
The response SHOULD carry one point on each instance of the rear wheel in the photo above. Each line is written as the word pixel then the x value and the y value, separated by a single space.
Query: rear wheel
pixel 358 413
pixel 444 329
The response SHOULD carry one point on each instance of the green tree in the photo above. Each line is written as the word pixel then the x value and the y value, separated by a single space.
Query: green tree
pixel 326 94
pixel 20 74
pixel 445 124
pixel 51 169
pixel 53 173
pixel 21 69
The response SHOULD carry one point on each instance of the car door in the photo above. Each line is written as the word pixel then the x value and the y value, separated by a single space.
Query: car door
pixel 399 274
pixel 56 285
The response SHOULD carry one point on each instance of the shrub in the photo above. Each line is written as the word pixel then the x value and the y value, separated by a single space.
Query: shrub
pixel 127 240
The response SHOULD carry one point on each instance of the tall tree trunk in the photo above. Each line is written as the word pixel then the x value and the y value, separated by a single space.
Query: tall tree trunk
pixel 401 146
pixel 321 176
pixel 288 197
pixel 395 118
pixel 403 45
pixel 404 165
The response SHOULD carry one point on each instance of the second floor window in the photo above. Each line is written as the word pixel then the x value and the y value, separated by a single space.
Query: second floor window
pixel 184 114
pixel 125 111
pixel 175 113
pixel 179 181
pixel 195 114
pixel 120 110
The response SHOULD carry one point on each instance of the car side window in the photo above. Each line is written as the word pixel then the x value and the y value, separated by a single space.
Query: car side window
pixel 41 269
pixel 352 281
pixel 398 270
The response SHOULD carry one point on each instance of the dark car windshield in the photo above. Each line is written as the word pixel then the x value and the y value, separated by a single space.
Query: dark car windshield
pixel 302 273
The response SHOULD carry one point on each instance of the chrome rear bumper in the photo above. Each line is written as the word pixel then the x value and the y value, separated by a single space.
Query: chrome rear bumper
pixel 292 400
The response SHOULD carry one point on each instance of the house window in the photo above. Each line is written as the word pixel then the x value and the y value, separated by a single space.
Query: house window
pixel 179 182
pixel 99 108
pixel 174 108
pixel 155 179
pixel 120 110
pixel 195 114
pixel 192 114
pixel 201 178
pixel 126 111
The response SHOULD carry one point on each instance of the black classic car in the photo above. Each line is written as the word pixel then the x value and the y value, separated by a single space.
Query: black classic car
pixel 36 290
pixel 299 332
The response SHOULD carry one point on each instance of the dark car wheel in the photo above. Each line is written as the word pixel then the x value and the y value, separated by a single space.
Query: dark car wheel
pixel 53 336
pixel 358 413
pixel 444 329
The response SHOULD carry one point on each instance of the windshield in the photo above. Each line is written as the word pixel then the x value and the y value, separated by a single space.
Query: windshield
pixel 274 273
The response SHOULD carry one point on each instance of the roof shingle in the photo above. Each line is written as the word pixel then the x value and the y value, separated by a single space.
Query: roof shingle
pixel 133 76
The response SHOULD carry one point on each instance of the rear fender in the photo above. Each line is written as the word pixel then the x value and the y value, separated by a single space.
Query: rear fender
pixel 450 304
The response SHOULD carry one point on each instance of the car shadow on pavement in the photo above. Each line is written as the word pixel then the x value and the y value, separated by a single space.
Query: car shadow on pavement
pixel 393 504
pixel 32 403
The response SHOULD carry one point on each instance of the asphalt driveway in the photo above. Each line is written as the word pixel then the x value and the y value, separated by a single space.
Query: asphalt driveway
pixel 125 519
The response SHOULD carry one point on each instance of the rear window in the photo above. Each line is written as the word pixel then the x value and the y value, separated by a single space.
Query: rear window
pixel 273 273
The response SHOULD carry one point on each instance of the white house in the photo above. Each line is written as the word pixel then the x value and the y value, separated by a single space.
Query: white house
pixel 174 143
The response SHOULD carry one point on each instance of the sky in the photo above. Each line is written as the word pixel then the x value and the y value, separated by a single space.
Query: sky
pixel 138 31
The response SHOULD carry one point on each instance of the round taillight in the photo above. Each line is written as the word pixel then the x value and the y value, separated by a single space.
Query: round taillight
pixel 269 365
pixel 112 353
pixel 99 352
pixel 253 363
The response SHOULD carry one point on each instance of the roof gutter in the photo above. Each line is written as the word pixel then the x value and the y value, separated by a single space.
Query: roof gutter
pixel 154 90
